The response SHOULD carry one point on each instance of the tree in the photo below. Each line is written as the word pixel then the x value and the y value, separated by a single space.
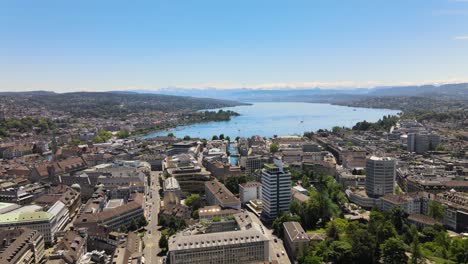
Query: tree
pixel 398 217
pixel 363 243
pixel 163 243
pixel 416 254
pixel 133 225
pixel 228 138
pixel 237 138
pixel 123 134
pixel 310 260
pixel 436 210
pixel 142 222
pixel 341 252
pixel 305 182
pixel 195 214
pixel 393 251
pixel 274 147
pixel 193 201
pixel 187 138
pixel 459 250
pixel 123 229
pixel 280 219
pixel 232 183
pixel 215 137
pixel 336 129
pixel 221 136
pixel 170 134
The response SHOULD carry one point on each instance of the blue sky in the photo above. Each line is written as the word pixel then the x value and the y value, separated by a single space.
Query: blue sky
pixel 117 45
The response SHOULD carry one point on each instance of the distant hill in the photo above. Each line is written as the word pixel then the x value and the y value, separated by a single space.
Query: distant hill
pixel 458 91
pixel 108 104
pixel 455 91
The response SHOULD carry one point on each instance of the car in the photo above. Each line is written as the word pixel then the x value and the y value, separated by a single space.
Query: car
pixel 276 240
pixel 278 255
pixel 282 253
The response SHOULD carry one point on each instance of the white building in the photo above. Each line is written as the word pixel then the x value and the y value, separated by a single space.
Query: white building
pixel 380 176
pixel 250 191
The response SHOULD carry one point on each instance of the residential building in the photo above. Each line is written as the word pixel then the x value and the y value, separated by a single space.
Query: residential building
pixel 70 247
pixel 129 250
pixel 253 163
pixel 21 245
pixel 217 194
pixel 114 218
pixel 296 240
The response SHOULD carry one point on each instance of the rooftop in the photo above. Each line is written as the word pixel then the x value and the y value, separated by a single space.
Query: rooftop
pixel 295 231
pixel 182 242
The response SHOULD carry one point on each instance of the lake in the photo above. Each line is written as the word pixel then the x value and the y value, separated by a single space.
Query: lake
pixel 279 118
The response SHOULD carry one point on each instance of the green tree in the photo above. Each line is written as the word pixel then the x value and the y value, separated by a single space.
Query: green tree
pixel 393 251
pixel 416 255
pixel 187 138
pixel 163 242
pixel 341 252
pixel 336 129
pixel 459 250
pixel 436 210
pixel 363 243
pixel 170 134
pixel 305 182
pixel 123 134
pixel 193 201
pixel 221 136
pixel 274 147
pixel 280 219
pixel 215 137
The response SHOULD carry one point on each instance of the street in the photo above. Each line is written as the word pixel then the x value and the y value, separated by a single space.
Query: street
pixel 152 234
pixel 276 248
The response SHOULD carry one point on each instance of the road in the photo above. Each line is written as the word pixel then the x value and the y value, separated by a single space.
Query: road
pixel 153 234
pixel 276 248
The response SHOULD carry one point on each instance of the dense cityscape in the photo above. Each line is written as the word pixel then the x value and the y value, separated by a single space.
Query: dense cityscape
pixel 234 132
pixel 80 188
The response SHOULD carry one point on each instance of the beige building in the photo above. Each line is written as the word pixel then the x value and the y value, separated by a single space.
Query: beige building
pixel 244 246
pixel 190 175
pixel 21 245
pixel 295 239
pixel 218 194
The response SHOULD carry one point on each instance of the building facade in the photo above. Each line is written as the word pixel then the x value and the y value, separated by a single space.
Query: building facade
pixel 380 176
pixel 276 190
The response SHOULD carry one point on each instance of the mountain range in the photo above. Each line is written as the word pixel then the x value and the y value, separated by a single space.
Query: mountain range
pixel 447 91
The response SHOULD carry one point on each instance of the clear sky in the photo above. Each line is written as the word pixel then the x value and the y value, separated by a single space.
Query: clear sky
pixel 117 45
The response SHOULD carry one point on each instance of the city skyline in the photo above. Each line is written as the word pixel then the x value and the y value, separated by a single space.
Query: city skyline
pixel 105 46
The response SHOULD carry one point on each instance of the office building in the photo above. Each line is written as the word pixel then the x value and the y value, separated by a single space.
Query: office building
pixel 186 170
pixel 276 190
pixel 244 246
pixel 422 142
pixel 380 176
